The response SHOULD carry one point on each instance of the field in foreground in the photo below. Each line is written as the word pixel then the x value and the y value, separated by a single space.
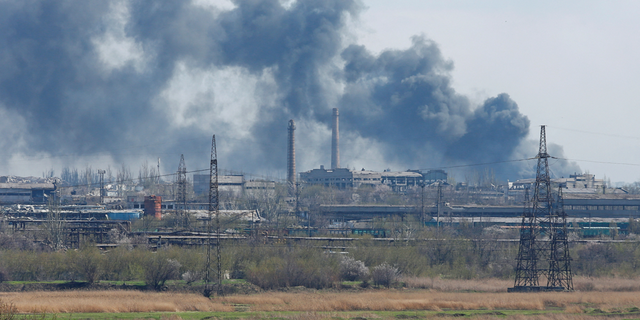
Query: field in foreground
pixel 422 298
pixel 304 304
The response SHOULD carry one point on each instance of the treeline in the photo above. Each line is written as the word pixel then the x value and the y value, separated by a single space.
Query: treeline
pixel 312 264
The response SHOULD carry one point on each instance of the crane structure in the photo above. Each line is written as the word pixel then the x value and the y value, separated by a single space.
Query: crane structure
pixel 543 251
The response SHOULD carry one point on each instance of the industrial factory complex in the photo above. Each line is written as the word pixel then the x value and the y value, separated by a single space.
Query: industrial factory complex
pixel 91 212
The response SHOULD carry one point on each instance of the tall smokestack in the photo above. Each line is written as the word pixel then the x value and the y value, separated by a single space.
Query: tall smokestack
pixel 335 139
pixel 291 154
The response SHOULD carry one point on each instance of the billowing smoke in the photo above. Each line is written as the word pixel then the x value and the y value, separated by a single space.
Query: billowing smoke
pixel 132 80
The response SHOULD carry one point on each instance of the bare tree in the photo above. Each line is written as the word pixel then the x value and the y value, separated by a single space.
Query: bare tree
pixel 123 178
pixel 54 226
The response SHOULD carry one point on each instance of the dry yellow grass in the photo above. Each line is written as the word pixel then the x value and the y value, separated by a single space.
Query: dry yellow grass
pixel 612 296
pixel 499 285
pixel 109 301
pixel 483 285
pixel 388 300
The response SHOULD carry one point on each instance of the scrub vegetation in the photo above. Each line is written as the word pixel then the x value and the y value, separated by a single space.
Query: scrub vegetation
pixel 316 264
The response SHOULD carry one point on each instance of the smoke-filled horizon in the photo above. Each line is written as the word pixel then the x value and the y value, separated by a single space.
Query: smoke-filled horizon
pixel 127 81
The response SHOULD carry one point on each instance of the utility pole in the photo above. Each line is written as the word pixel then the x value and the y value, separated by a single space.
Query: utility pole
pixel 297 209
pixel 439 206
pixel 101 173
pixel 181 195
pixel 422 217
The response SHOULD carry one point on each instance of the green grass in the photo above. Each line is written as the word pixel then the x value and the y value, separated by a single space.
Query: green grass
pixel 129 283
pixel 43 282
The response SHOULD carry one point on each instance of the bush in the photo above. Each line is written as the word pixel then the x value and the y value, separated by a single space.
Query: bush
pixel 384 275
pixel 191 276
pixel 159 269
pixel 89 263
pixel 7 310
pixel 297 268
pixel 352 269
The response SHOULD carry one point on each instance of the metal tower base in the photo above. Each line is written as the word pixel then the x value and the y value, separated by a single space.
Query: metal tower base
pixel 535 289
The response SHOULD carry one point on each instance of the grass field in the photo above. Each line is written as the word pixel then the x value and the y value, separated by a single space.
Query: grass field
pixel 606 298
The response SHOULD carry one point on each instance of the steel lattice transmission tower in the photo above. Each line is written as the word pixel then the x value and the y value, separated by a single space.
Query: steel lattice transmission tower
pixel 214 212
pixel 544 248
pixel 181 194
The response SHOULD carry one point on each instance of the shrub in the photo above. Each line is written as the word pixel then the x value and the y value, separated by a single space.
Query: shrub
pixel 384 275
pixel 295 268
pixel 159 269
pixel 89 263
pixel 352 269
pixel 4 274
pixel 7 310
pixel 191 276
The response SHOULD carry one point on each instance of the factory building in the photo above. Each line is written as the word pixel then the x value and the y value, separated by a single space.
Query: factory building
pixel 576 183
pixel 343 178
pixel 433 176
pixel 11 193
pixel 235 185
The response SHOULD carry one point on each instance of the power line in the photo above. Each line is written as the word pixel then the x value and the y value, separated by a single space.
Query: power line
pixel 109 153
pixel 192 171
pixel 597 133
pixel 134 179
pixel 36 157
pixel 603 162
pixel 478 164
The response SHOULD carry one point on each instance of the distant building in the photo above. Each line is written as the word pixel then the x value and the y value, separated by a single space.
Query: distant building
pixel 234 184
pixel 11 193
pixel 254 187
pixel 432 176
pixel 343 178
pixel 576 183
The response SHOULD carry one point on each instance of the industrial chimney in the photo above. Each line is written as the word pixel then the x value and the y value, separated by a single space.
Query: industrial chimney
pixel 335 139
pixel 291 154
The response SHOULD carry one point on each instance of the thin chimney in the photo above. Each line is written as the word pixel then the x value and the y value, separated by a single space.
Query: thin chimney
pixel 291 154
pixel 335 140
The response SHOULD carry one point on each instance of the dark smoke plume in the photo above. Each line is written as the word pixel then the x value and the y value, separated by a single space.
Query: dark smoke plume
pixel 133 80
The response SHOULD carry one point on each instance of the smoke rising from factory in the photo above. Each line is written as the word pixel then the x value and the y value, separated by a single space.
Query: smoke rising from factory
pixel 134 79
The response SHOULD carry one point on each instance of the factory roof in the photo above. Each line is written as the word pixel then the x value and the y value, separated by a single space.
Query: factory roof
pixel 401 174
pixel 29 186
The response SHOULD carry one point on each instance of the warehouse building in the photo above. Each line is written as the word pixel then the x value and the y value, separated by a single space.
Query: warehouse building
pixel 36 193
pixel 343 178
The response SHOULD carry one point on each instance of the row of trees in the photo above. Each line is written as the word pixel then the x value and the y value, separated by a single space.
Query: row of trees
pixel 89 177
pixel 307 264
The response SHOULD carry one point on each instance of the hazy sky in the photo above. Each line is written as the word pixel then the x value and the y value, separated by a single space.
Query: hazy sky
pixel 571 65
pixel 420 84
